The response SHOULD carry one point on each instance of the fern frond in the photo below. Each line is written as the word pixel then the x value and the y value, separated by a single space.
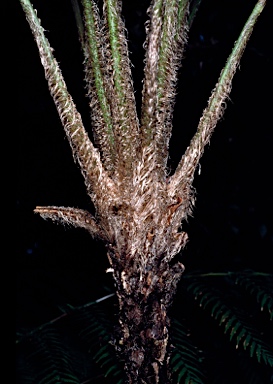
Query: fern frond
pixel 96 331
pixel 165 43
pixel 88 157
pixel 251 373
pixel 79 21
pixel 71 216
pixel 110 87
pixel 149 92
pixel 24 370
pixel 109 364
pixel 194 6
pixel 183 177
pixel 48 360
pixel 93 325
pixel 98 86
pixel 166 35
pixel 235 322
pixel 261 288
pixel 122 99
pixel 172 42
pixel 186 359
pixel 91 328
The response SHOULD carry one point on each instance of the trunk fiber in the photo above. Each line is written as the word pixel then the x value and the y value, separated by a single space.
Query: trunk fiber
pixel 144 300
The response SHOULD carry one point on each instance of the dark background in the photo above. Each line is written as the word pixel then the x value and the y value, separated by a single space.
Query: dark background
pixel 232 224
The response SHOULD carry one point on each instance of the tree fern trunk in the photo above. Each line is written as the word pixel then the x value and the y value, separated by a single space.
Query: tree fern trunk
pixel 144 323
pixel 145 339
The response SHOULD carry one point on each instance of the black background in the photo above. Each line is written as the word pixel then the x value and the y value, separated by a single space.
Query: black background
pixel 231 228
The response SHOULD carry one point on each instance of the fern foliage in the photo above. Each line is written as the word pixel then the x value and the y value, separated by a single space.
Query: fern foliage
pixel 74 348
pixel 186 359
pixel 235 333
pixel 46 360
pixel 95 329
pixel 232 317
pixel 259 287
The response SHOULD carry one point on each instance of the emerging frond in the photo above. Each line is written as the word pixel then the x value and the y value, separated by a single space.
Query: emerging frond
pixel 98 87
pixel 166 35
pixel 122 99
pixel 184 174
pixel 110 89
pixel 71 216
pixel 86 154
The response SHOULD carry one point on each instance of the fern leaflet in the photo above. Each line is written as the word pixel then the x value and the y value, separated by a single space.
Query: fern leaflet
pixel 235 321
pixel 186 359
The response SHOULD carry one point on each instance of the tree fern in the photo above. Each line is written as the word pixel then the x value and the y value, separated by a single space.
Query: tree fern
pixel 139 207
pixel 92 327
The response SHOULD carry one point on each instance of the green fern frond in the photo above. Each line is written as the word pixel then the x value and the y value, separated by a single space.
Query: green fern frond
pixel 235 321
pixel 48 360
pixel 252 373
pixel 194 6
pixel 79 21
pixel 24 370
pixel 92 325
pixel 89 327
pixel 95 329
pixel 186 359
pixel 261 287
pixel 108 362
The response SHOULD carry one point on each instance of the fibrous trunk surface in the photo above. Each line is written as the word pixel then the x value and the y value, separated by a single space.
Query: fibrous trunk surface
pixel 144 333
